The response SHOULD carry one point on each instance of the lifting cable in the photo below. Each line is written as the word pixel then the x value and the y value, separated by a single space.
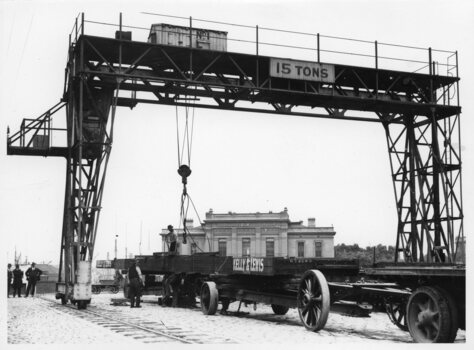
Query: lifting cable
pixel 184 170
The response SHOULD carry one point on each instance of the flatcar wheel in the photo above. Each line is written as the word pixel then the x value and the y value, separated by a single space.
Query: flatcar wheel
pixel 428 316
pixel 209 298
pixel 396 312
pixel 280 309
pixel 95 290
pixel 115 289
pixel 454 313
pixel 313 300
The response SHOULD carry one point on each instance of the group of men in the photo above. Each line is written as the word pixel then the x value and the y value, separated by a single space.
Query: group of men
pixel 135 277
pixel 15 279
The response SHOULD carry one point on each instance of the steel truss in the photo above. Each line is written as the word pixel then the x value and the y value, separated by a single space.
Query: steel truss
pixel 416 111
pixel 89 143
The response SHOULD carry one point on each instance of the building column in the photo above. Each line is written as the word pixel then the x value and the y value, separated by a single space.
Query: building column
pixel 234 242
pixel 258 242
pixel 284 244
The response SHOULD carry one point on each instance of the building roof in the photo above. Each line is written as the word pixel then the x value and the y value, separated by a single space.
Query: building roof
pixel 293 227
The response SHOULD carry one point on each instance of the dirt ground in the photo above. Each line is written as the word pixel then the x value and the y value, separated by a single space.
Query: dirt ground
pixel 40 321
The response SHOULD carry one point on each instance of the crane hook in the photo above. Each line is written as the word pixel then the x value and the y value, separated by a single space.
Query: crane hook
pixel 184 171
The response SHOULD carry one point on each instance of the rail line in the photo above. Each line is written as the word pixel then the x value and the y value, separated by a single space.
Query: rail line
pixel 144 331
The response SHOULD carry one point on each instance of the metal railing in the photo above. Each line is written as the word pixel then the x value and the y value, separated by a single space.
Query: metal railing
pixel 259 40
pixel 36 133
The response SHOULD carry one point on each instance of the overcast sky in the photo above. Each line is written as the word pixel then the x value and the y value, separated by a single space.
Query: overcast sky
pixel 335 171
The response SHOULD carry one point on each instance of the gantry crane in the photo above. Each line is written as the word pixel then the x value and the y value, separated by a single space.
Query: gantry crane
pixel 419 113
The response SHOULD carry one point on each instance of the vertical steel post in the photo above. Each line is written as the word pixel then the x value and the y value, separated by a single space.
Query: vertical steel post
pixel 376 70
pixel 376 55
pixel 435 197
pixel 410 134
pixel 120 43
pixel 80 145
pixel 190 48
pixel 461 229
pixel 256 38
pixel 317 42
pixel 82 24
pixel 257 73
pixel 429 61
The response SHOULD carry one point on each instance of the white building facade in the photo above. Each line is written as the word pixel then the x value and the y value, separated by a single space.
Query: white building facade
pixel 257 235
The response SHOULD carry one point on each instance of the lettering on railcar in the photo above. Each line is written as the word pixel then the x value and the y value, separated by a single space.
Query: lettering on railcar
pixel 301 70
pixel 248 264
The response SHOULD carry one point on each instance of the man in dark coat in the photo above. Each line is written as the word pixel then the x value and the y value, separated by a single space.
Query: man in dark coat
pixel 135 280
pixel 9 279
pixel 32 275
pixel 171 240
pixel 17 280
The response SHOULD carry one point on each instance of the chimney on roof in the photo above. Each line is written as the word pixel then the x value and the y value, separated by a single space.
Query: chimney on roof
pixel 311 222
pixel 189 223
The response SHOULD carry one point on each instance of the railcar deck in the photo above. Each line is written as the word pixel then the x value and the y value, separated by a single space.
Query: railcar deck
pixel 213 264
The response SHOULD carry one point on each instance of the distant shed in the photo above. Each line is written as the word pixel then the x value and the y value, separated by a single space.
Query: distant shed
pixel 167 34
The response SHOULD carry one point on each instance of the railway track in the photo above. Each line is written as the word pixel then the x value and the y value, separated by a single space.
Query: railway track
pixel 144 331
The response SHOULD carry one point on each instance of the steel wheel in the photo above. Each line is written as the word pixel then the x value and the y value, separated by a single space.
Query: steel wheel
pixel 209 298
pixel 428 316
pixel 114 289
pixel 396 312
pixel 454 313
pixel 96 290
pixel 313 300
pixel 279 309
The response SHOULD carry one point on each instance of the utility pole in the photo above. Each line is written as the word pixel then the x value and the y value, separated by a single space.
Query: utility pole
pixel 140 245
pixel 116 246
pixel 126 235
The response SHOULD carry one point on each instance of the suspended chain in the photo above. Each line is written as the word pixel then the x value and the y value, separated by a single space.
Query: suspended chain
pixel 184 170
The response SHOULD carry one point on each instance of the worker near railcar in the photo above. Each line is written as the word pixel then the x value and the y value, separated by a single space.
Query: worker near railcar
pixel 17 280
pixel 32 276
pixel 136 282
pixel 171 239
pixel 9 279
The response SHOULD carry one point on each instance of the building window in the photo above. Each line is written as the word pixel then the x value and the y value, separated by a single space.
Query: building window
pixel 318 249
pixel 300 249
pixel 246 247
pixel 270 247
pixel 222 245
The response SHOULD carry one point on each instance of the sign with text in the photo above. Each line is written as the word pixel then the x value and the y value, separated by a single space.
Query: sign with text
pixel 103 264
pixel 301 70
pixel 248 264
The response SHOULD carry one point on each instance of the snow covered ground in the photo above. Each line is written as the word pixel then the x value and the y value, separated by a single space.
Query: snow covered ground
pixel 37 321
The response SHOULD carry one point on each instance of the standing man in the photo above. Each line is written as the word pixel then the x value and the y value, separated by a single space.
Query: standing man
pixel 135 280
pixel 17 280
pixel 32 275
pixel 9 279
pixel 171 240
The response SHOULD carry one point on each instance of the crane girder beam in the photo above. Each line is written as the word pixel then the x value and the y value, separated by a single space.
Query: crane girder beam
pixel 326 97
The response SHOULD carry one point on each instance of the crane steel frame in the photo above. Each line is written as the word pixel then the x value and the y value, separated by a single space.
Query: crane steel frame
pixel 421 123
